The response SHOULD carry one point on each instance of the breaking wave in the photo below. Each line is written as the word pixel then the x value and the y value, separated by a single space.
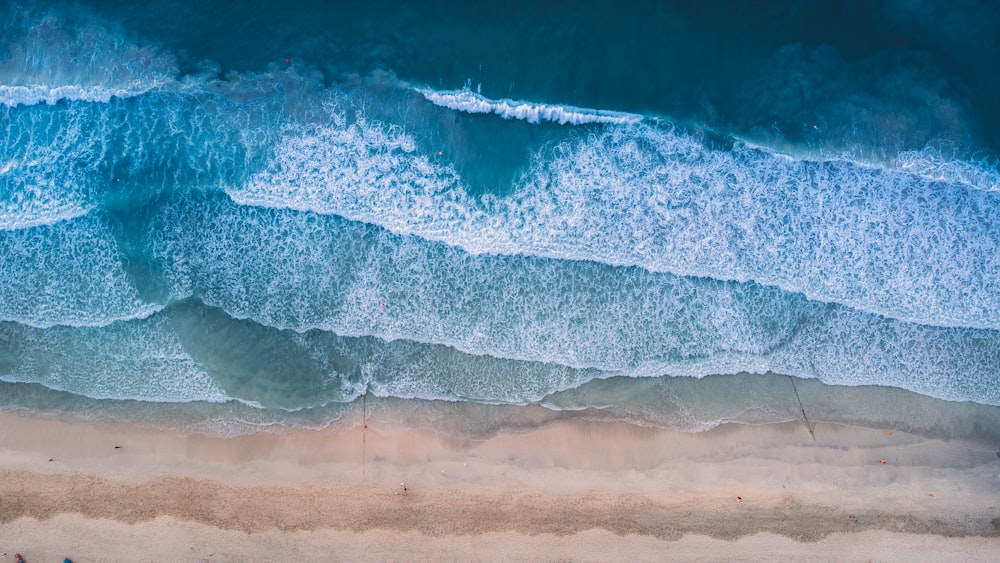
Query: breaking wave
pixel 472 102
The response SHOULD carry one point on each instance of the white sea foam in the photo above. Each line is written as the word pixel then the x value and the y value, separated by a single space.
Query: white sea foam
pixel 910 243
pixel 16 215
pixel 471 102
pixel 139 360
pixel 302 271
pixel 932 165
pixel 60 55
pixel 69 273
pixel 846 347
pixel 47 167
pixel 57 164
pixel 879 240
pixel 39 93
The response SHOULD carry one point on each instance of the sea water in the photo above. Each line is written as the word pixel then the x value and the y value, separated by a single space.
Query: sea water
pixel 258 213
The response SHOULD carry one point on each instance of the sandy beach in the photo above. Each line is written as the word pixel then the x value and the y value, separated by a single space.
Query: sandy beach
pixel 570 490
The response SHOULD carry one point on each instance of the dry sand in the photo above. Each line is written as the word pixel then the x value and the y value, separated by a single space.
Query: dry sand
pixel 572 490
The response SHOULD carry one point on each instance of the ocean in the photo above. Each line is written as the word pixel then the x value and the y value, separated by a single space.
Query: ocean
pixel 239 216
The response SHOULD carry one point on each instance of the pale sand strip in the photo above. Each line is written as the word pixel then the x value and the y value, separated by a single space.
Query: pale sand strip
pixel 170 540
pixel 573 490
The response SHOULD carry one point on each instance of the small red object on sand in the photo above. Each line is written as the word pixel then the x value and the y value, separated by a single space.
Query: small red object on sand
pixel 881 461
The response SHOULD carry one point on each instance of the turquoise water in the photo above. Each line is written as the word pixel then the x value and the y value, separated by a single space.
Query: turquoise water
pixel 259 213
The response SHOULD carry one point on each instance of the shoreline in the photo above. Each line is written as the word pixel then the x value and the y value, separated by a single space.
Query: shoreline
pixel 568 489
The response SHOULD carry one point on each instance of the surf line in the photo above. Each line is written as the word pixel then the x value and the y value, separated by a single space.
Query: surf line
pixel 801 408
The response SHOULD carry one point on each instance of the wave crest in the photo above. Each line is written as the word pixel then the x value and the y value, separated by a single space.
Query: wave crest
pixel 471 102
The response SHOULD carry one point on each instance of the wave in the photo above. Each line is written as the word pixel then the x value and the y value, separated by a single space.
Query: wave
pixel 65 53
pixel 16 214
pixel 304 272
pixel 345 256
pixel 192 352
pixel 141 360
pixel 61 162
pixel 472 102
pixel 70 273
pixel 38 93
pixel 932 165
pixel 911 243
pixel 880 240
pixel 49 167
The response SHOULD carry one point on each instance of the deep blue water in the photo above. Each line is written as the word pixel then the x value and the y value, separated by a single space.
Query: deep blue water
pixel 261 212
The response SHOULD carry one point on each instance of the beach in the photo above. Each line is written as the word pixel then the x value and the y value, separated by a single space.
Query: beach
pixel 569 490
pixel 367 281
